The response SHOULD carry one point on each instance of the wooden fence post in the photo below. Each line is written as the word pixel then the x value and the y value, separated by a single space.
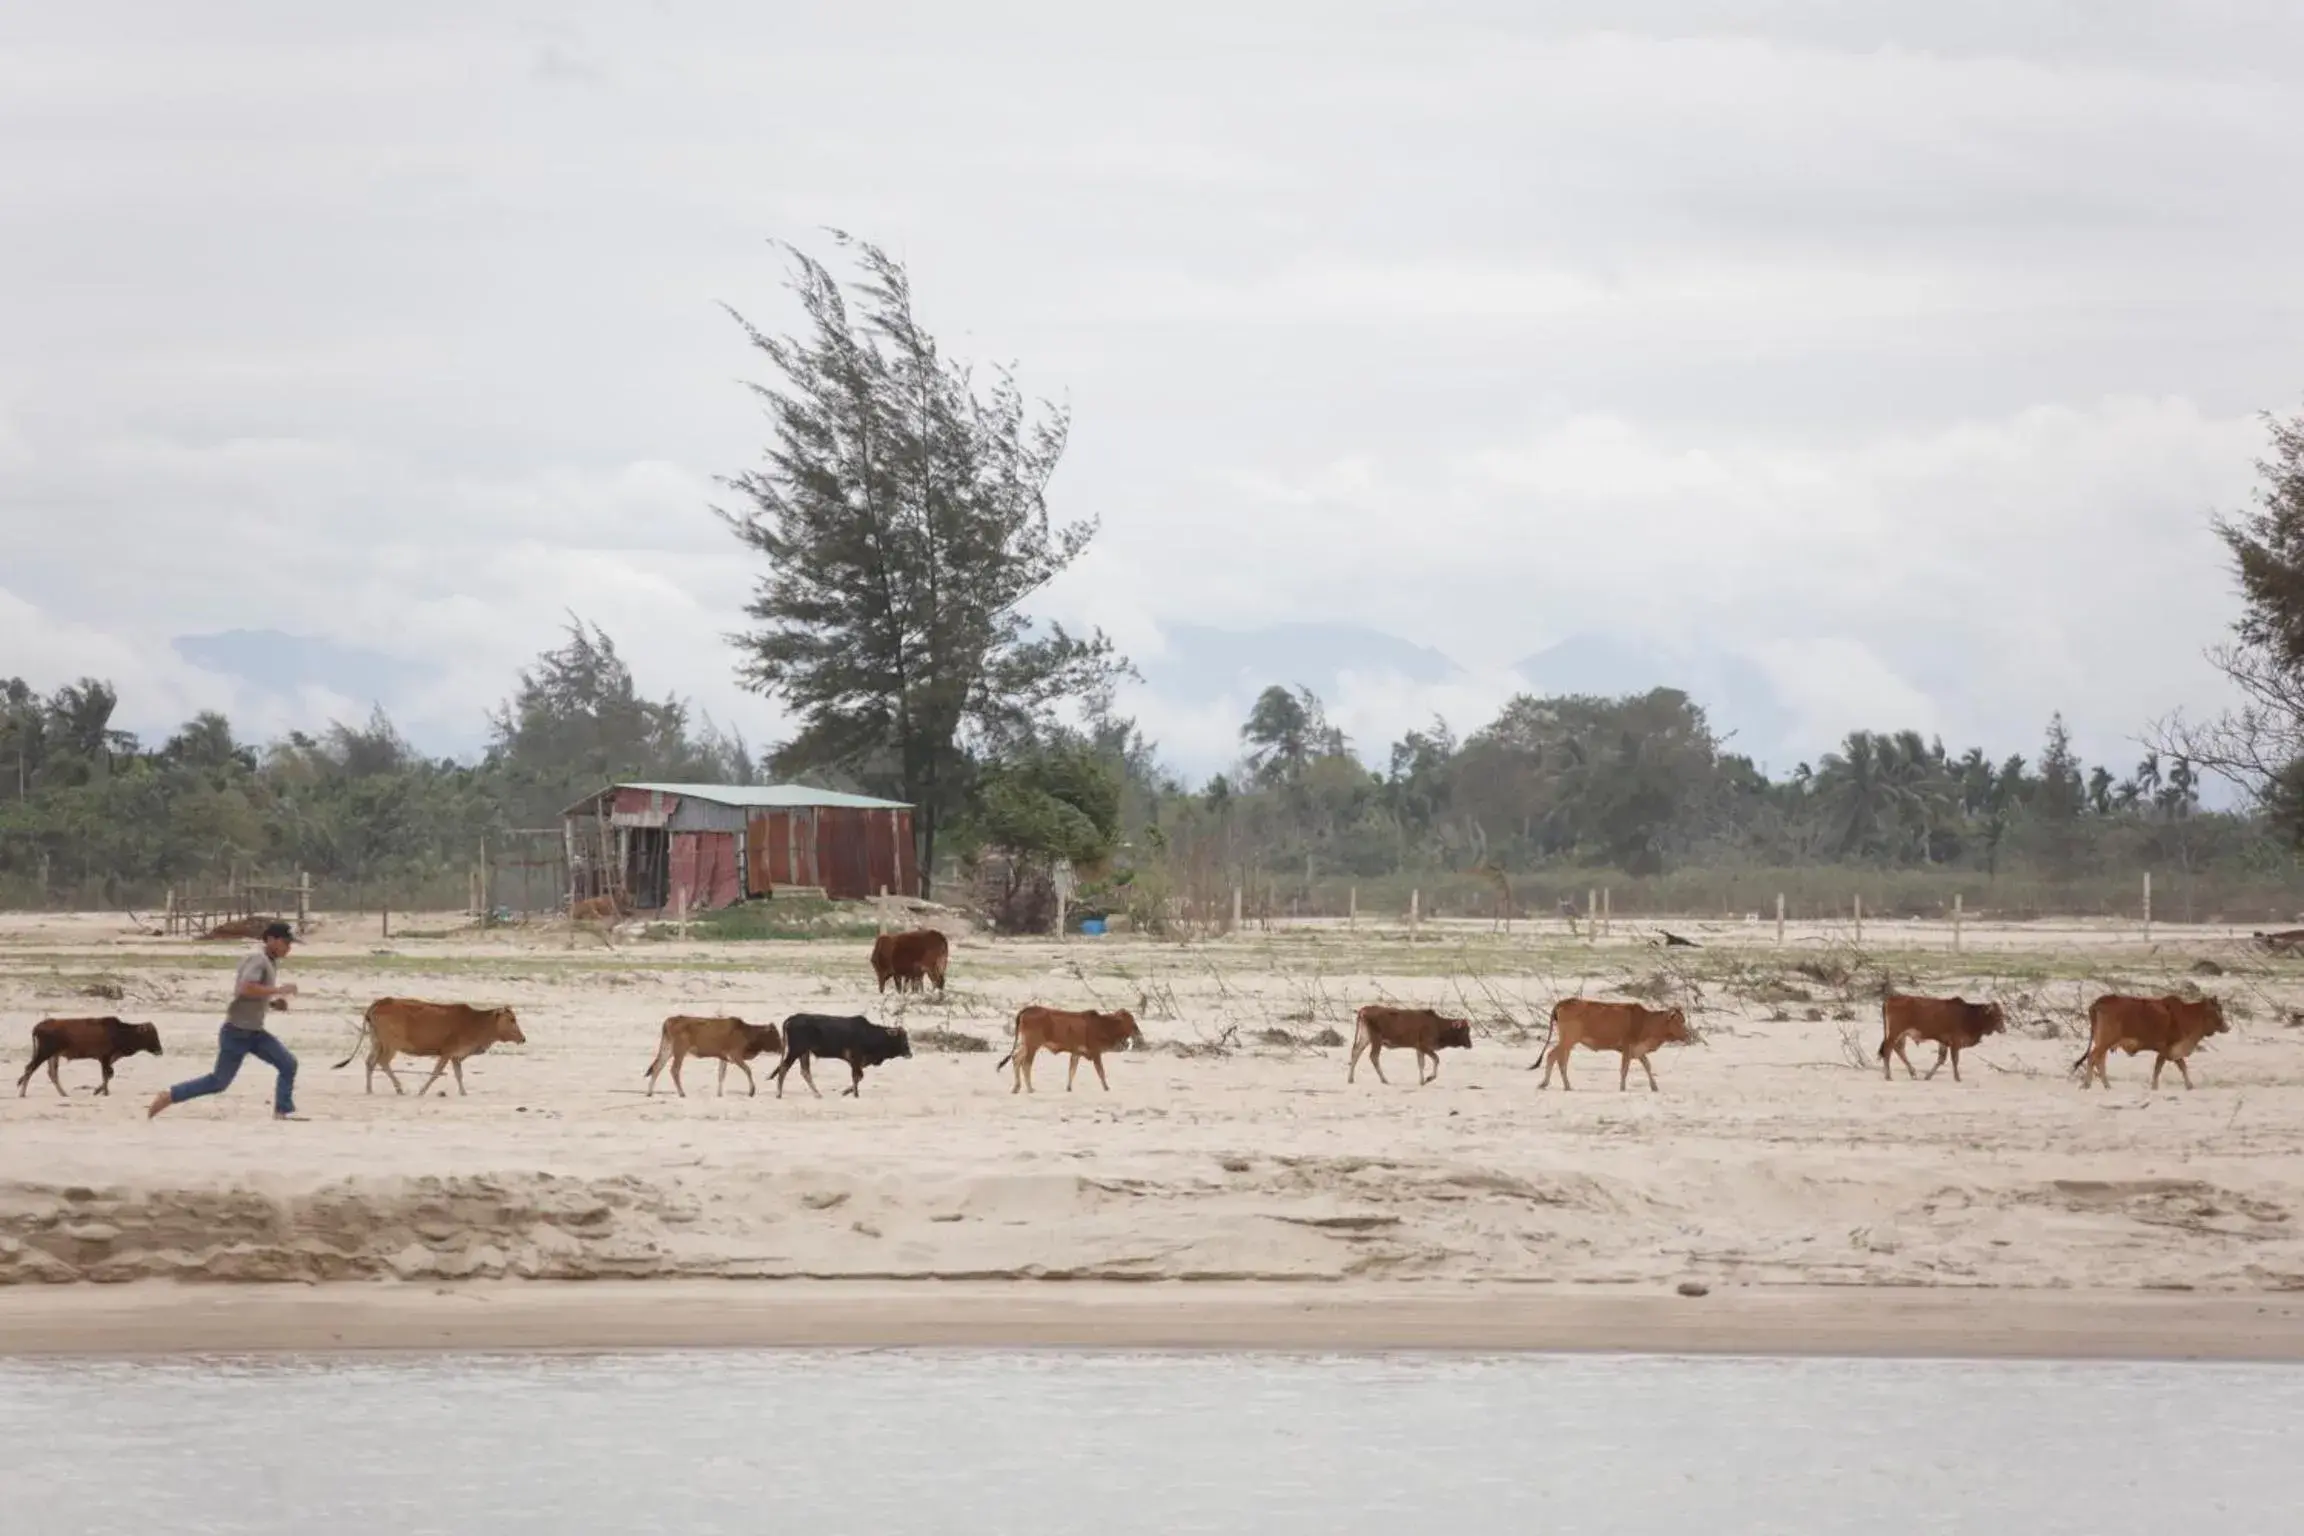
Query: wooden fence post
pixel 2147 906
pixel 1352 909
pixel 1779 919
pixel 1592 916
pixel 1235 928
pixel 1859 921
pixel 1415 913
pixel 1957 914
pixel 1607 911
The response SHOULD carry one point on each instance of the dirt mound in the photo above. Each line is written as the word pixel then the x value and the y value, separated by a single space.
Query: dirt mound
pixel 526 1227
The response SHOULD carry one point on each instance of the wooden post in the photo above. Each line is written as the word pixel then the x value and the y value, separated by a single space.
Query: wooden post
pixel 1859 921
pixel 880 909
pixel 2147 906
pixel 384 912
pixel 1352 908
pixel 1415 913
pixel 480 879
pixel 1061 905
pixel 1592 916
pixel 1607 910
pixel 1779 919
pixel 680 910
pixel 168 923
pixel 303 902
pixel 1235 928
pixel 1956 916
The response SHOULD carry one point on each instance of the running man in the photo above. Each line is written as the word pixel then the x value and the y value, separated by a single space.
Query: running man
pixel 255 988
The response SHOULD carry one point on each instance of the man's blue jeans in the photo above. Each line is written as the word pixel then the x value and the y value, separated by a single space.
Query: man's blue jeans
pixel 233 1046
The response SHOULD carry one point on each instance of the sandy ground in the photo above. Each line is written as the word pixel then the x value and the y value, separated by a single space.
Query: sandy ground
pixel 1230 1151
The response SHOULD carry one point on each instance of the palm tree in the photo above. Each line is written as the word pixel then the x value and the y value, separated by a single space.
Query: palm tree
pixel 1853 787
pixel 2147 779
pixel 1283 732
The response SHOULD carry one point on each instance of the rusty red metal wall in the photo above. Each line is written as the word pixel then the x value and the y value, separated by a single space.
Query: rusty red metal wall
pixel 633 802
pixel 850 851
pixel 861 851
pixel 780 849
pixel 703 871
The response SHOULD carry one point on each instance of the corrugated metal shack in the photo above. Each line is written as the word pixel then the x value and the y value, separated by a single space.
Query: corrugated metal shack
pixel 715 844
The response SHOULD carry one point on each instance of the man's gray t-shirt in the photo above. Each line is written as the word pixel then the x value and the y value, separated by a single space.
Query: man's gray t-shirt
pixel 248 1012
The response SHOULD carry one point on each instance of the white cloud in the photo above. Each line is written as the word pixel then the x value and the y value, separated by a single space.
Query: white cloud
pixel 1902 346
pixel 1831 680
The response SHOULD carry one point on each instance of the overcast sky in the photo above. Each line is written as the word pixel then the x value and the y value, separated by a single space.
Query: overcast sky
pixel 1902 353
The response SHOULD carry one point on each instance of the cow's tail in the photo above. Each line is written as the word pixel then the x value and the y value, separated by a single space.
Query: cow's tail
pixel 2082 1059
pixel 367 1032
pixel 1551 1024
pixel 1015 1035
pixel 663 1050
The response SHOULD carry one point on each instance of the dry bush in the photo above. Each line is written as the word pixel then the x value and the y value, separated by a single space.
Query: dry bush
pixel 1856 1051
pixel 1827 970
pixel 1156 1000
pixel 1326 1037
pixel 1205 1045
pixel 950 1041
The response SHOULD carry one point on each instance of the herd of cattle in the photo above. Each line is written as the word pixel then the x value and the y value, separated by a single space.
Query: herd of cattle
pixel 2171 1028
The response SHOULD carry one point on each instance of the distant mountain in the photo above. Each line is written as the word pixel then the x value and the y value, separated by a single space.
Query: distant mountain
pixel 270 661
pixel 1737 697
pixel 1203 663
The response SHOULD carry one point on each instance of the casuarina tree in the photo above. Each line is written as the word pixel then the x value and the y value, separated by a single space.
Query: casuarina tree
pixel 2260 745
pixel 902 511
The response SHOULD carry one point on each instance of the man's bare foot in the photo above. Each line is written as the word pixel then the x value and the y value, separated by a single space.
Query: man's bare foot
pixel 159 1103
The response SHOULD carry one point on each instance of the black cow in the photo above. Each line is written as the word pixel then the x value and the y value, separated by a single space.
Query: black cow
pixel 102 1041
pixel 855 1040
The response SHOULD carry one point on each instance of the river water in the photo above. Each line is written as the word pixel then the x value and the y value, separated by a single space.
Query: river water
pixel 889 1442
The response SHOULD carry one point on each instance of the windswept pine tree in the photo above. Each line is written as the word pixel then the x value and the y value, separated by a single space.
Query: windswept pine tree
pixel 902 512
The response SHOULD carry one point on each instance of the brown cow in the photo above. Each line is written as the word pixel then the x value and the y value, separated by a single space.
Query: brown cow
pixel 447 1031
pixel 1953 1024
pixel 2171 1028
pixel 1626 1028
pixel 906 958
pixel 1406 1029
pixel 598 909
pixel 730 1039
pixel 1068 1034
pixel 103 1041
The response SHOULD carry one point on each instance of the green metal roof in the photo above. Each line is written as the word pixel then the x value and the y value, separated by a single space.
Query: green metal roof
pixel 772 796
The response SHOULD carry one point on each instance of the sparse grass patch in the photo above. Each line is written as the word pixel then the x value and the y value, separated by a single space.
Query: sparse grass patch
pixel 797 920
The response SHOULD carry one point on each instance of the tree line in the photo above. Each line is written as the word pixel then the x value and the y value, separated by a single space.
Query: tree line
pixel 902 521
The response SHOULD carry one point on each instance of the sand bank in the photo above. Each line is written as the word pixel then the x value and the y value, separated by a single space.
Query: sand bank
pixel 158 1319
pixel 1232 1153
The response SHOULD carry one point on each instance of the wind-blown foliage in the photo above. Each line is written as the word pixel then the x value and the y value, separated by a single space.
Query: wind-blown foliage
pixel 87 813
pixel 2260 745
pixel 903 515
